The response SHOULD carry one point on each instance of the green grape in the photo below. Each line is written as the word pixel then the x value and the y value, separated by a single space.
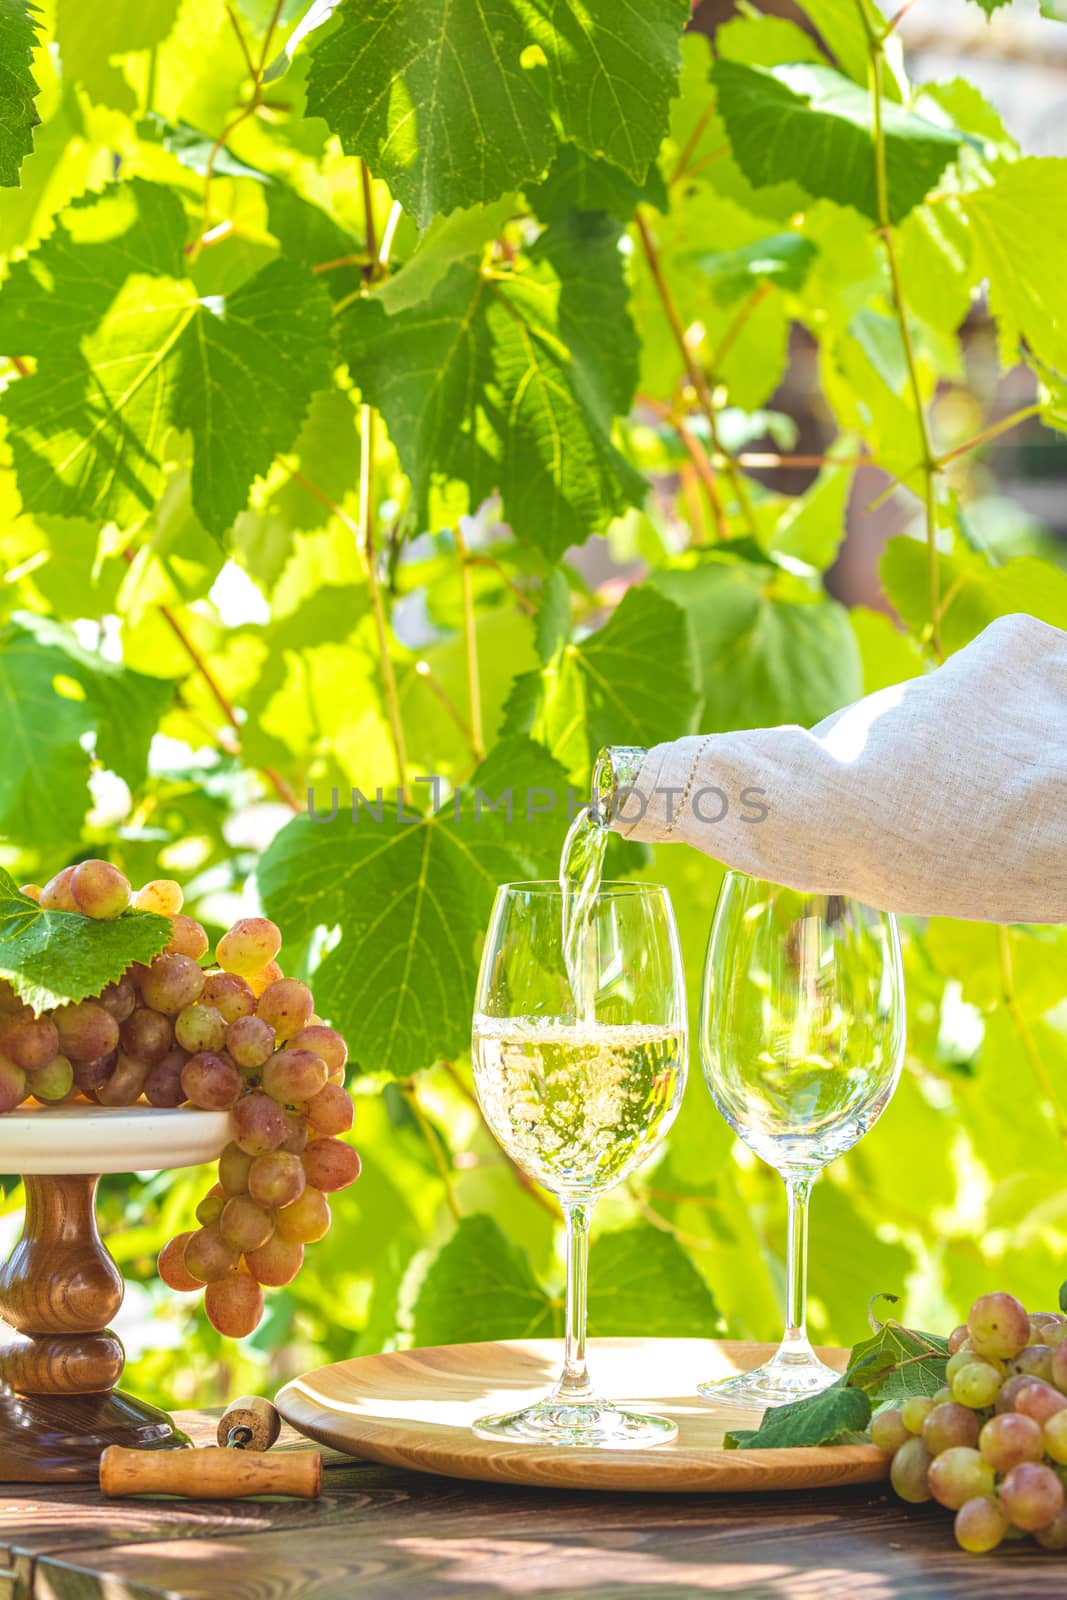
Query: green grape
pixel 234 1305
pixel 1059 1367
pixel 331 1110
pixel 210 1207
pixel 163 1085
pixel 958 1474
pixel 1054 1438
pixel 200 1027
pixel 208 1256
pixel 324 1042
pixel 1035 1360
pixel 229 994
pixel 258 1123
pixel 1053 1536
pixel 1039 1400
pixel 1009 1438
pixel 187 938
pixel 276 1179
pixel 30 1042
pixel 980 1525
pixel 275 1263
pixel 306 1220
pixel 244 1224
pixel 956 1363
pixel 147 1034
pixel 234 1166
pixel 1031 1496
pixel 915 1411
pixel 119 998
pixel 249 946
pixel 211 1081
pixel 52 1083
pixel 976 1384
pixel 888 1431
pixel 162 895
pixel 947 1425
pixel 331 1165
pixel 909 1473
pixel 940 1396
pixel 86 1031
pixel 100 890
pixel 172 1268
pixel 286 1005
pixel 294 1076
pixel 12 1084
pixel 57 894
pixel 999 1325
pixel 250 1041
pixel 171 983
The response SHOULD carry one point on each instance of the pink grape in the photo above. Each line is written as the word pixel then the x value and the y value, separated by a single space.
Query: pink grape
pixel 306 1220
pixel 1035 1360
pixel 1009 1389
pixel 258 1123
pixel 230 995
pixel 162 895
pixel 208 1256
pixel 296 1133
pixel 276 1179
pixel 89 1075
pixel 172 1268
pixel 250 1042
pixel 172 983
pixel 52 1083
pixel 1009 1438
pixel 147 1034
pixel 1059 1366
pixel 119 998
pixel 294 1076
pixel 957 1337
pixel 234 1305
pixel 958 1474
pixel 286 1005
pixel 324 1042
pixel 200 1027
pixel 275 1263
pixel 30 1042
pixel 86 1031
pixel 163 1085
pixel 32 891
pixel 1031 1495
pixel 125 1084
pixel 259 981
pixel 947 1425
pixel 211 1081
pixel 57 894
pixel 1055 1438
pixel 244 1224
pixel 12 1084
pixel 980 1525
pixel 910 1471
pixel 331 1110
pixel 999 1325
pixel 234 1166
pixel 1053 1536
pixel 187 939
pixel 249 945
pixel 1039 1400
pixel 331 1165
pixel 100 890
pixel 888 1432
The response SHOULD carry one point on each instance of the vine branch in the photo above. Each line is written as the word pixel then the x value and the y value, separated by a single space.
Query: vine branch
pixel 429 1133
pixel 470 641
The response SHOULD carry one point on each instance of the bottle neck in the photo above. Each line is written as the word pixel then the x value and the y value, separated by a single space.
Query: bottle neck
pixel 614 775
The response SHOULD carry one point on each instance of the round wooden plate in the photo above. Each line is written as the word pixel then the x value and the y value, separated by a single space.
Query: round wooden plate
pixel 414 1408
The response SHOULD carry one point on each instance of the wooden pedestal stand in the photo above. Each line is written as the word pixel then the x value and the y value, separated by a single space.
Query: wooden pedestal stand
pixel 59 1289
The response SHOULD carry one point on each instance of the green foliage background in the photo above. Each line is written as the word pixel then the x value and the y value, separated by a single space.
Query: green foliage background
pixel 311 330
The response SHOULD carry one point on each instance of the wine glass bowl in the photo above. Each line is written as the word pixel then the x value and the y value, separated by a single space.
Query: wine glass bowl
pixel 579 1052
pixel 802 1041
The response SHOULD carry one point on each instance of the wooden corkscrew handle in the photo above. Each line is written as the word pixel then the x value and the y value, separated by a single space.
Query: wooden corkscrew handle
pixel 210 1474
pixel 250 1423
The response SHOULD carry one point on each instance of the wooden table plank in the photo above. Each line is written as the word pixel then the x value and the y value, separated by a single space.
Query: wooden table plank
pixel 384 1534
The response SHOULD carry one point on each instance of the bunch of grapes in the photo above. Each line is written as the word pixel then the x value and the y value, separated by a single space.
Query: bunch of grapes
pixel 240 1037
pixel 992 1445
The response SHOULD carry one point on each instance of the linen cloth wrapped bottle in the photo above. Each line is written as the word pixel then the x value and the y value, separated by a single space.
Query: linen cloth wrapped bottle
pixel 942 796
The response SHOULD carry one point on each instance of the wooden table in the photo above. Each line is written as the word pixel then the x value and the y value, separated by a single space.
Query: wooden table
pixel 381 1534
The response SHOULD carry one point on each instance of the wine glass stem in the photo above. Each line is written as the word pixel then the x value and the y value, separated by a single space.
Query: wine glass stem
pixel 574 1386
pixel 798 1189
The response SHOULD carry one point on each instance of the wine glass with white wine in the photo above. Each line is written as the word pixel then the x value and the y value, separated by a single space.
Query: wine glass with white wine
pixel 579 1049
pixel 802 1039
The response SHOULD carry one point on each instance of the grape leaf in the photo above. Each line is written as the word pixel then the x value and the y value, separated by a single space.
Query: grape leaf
pixel 978 591
pixel 643 1283
pixel 89 36
pixel 45 771
pixel 782 258
pixel 444 99
pixel 411 900
pixel 810 124
pixel 840 26
pixel 634 681
pixel 481 1286
pixel 895 1363
pixel 270 339
pixel 18 87
pixel 577 182
pixel 1025 287
pixel 53 958
pixel 446 241
pixel 838 1415
pixel 511 381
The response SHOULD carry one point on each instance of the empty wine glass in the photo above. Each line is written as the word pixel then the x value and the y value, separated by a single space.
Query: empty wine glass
pixel 802 1039
pixel 579 1049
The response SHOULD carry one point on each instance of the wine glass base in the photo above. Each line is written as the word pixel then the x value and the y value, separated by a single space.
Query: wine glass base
pixel 593 1425
pixel 776 1383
